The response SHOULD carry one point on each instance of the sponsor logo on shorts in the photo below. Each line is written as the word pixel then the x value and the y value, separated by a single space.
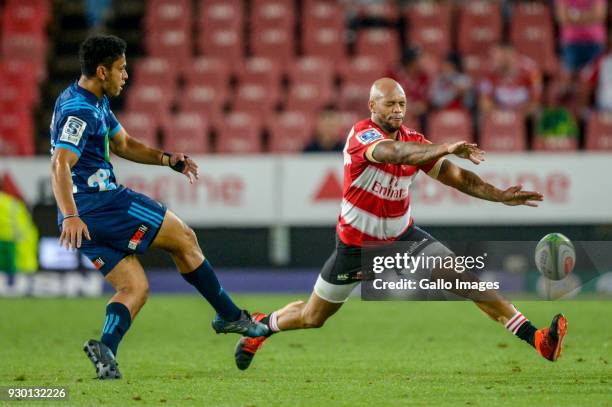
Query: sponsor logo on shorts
pixel 137 237
pixel 369 136
pixel 98 263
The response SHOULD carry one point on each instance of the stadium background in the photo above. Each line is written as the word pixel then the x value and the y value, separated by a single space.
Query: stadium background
pixel 264 212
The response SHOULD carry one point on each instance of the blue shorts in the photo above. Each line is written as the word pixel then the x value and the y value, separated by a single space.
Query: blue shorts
pixel 120 222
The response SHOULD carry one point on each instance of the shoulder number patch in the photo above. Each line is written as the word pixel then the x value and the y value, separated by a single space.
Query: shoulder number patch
pixel 369 136
pixel 73 130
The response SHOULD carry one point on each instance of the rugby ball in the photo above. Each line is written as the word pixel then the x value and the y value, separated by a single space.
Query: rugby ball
pixel 555 256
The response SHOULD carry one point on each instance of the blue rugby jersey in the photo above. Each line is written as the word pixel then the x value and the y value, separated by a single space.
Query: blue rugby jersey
pixel 84 124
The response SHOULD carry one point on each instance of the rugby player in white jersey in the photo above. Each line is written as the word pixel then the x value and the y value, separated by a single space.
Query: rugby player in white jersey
pixel 381 157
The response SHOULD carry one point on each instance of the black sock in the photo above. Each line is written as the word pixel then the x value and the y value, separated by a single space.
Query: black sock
pixel 266 321
pixel 527 333
pixel 205 281
pixel 118 321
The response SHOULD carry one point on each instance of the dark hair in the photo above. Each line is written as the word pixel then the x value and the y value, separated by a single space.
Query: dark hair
pixel 100 50
pixel 410 54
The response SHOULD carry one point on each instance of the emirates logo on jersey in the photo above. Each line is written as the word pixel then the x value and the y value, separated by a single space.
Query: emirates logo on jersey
pixel 393 190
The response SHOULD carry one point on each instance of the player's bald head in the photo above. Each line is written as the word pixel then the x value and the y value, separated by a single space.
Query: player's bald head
pixel 385 88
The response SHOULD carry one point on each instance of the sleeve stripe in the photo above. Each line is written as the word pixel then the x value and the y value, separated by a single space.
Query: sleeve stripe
pixel 115 130
pixel 435 170
pixel 69 147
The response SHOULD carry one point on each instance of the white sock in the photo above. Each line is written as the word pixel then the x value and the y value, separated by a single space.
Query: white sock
pixel 516 322
pixel 272 322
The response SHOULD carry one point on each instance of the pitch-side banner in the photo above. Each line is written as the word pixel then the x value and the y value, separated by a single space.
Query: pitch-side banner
pixel 307 189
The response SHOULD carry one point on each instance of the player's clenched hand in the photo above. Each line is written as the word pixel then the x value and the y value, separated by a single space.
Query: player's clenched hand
pixel 469 151
pixel 516 196
pixel 73 230
pixel 185 165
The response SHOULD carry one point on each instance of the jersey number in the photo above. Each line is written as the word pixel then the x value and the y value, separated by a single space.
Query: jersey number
pixel 100 179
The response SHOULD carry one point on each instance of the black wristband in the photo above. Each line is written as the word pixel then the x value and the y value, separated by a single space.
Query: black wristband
pixel 179 166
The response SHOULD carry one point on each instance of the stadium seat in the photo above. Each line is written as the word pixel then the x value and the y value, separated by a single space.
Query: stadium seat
pixel 27 16
pixel 480 26
pixel 311 70
pixel 255 98
pixel 208 100
pixel 259 71
pixel 186 132
pixel 307 97
pixel 429 25
pixel 555 144
pixel 289 132
pixel 239 133
pixel 381 10
pixel 347 120
pixel 324 42
pixel 323 14
pixel 154 71
pixel 599 131
pixel 380 43
pixel 277 14
pixel 168 15
pixel 174 45
pixel 225 43
pixel 221 14
pixel 274 43
pixel 25 46
pixel 153 99
pixel 536 42
pixel 449 126
pixel 354 98
pixel 16 133
pixel 361 70
pixel 208 71
pixel 503 131
pixel 476 66
pixel 142 126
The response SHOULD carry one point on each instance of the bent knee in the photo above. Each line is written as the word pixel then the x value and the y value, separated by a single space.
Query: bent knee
pixel 136 290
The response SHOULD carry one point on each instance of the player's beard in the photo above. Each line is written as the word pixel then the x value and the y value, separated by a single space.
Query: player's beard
pixel 389 127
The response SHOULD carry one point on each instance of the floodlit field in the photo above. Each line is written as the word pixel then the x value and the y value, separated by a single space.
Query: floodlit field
pixel 374 354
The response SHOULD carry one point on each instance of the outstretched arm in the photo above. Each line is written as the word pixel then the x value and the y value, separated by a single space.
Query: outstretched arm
pixel 471 184
pixel 398 152
pixel 131 149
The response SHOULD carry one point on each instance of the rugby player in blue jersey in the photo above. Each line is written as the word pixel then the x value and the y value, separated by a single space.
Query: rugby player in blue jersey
pixel 110 223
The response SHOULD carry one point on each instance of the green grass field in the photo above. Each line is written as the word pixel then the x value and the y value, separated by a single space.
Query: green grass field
pixel 374 354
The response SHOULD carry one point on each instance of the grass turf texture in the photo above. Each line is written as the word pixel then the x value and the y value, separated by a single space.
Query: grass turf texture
pixel 374 353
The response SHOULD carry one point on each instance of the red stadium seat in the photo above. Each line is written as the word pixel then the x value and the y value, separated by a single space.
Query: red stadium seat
pixel 277 14
pixel 273 43
pixel 187 132
pixel 476 66
pixel 378 10
pixel 599 132
pixel 154 71
pixel 225 43
pixel 16 133
pixel 208 71
pixel 221 14
pixel 503 131
pixel 28 16
pixel 323 14
pixel 289 132
pixel 480 26
pixel 449 126
pixel 311 70
pixel 240 133
pixel 347 120
pixel 142 126
pixel 153 99
pixel 532 13
pixel 354 98
pixel 25 46
pixel 555 144
pixel 380 43
pixel 324 42
pixel 255 98
pixel 171 44
pixel 207 100
pixel 260 71
pixel 429 25
pixel 537 42
pixel 168 15
pixel 361 70
pixel 307 97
